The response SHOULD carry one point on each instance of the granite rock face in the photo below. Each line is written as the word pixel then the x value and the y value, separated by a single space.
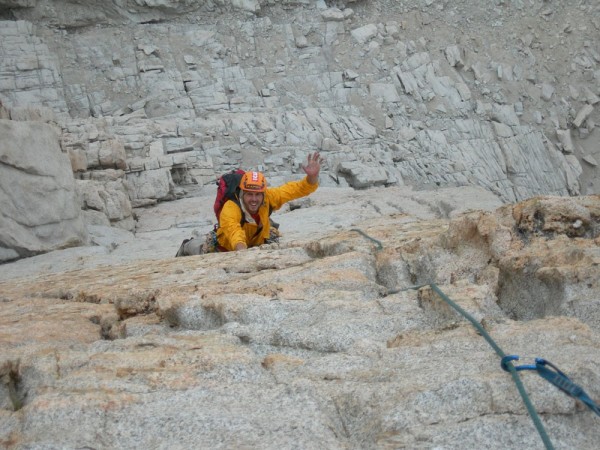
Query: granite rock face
pixel 460 141
pixel 39 207
pixel 324 340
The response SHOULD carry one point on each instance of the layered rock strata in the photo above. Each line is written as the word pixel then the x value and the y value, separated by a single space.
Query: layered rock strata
pixel 155 98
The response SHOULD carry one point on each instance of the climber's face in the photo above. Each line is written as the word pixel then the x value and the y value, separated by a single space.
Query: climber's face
pixel 252 201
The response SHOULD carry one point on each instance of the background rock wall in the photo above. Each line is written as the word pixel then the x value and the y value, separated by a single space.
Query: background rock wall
pixel 155 99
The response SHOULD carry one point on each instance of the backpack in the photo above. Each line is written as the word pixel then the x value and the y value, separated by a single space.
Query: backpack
pixel 227 189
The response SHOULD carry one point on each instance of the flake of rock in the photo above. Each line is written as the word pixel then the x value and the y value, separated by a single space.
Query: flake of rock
pixel 573 92
pixel 333 15
pixel 407 134
pixel 365 33
pixel 350 75
pixel 148 49
pixel 360 176
pixel 584 133
pixel 505 114
pixel 454 56
pixel 301 41
pixel 590 160
pixel 590 97
pixel 252 6
pixel 582 115
pixel 547 91
pixel 564 137
pixel 387 92
pixel 37 179
pixel 503 130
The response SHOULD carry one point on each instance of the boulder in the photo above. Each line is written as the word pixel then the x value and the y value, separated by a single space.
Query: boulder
pixel 109 198
pixel 39 208
pixel 150 185
pixel 360 176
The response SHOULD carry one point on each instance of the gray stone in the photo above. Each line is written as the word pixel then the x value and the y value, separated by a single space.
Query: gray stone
pixel 150 184
pixel 360 176
pixel 38 203
pixel 591 98
pixel 503 130
pixel 590 160
pixel 547 91
pixel 454 56
pixel 109 198
pixel 582 115
pixel 564 137
pixel 333 15
pixel 505 114
pixel 387 92
pixel 365 33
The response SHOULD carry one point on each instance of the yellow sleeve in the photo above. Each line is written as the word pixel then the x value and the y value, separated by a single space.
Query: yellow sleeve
pixel 278 196
pixel 230 232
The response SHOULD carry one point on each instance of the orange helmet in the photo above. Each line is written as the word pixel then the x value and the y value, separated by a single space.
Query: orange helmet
pixel 254 182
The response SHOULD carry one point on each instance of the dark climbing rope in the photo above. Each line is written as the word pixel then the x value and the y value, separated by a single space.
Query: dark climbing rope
pixel 544 368
pixel 506 361
pixel 378 243
pixel 508 366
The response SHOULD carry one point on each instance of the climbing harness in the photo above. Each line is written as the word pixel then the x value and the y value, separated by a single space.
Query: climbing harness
pixel 556 377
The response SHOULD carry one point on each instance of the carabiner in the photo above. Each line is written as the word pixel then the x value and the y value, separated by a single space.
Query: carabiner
pixel 508 358
pixel 555 376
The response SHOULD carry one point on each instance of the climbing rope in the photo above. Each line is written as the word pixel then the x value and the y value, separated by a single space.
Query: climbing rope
pixel 378 243
pixel 507 365
pixel 555 376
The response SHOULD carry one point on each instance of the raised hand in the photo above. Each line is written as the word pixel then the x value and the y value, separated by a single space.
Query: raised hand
pixel 313 167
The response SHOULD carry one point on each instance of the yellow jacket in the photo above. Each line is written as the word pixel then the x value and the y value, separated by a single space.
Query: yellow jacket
pixel 230 232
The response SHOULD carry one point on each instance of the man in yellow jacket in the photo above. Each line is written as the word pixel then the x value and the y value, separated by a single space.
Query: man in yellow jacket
pixel 246 223
pixel 257 201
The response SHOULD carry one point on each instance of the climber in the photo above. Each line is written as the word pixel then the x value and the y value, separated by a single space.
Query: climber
pixel 244 219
